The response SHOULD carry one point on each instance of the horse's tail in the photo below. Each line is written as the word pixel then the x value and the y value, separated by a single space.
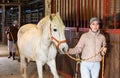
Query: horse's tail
pixel 21 31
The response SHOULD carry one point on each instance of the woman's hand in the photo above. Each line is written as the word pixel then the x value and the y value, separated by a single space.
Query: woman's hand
pixel 103 52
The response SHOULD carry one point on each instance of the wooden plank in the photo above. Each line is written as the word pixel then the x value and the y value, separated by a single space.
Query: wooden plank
pixel 3 24
pixel 115 22
pixel 116 56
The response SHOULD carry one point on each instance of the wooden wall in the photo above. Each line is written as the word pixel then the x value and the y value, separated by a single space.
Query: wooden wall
pixel 77 13
pixel 112 62
pixel 66 66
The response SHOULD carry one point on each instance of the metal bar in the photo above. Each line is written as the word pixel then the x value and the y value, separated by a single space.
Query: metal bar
pixel 108 7
pixel 78 13
pixel 95 10
pixel 60 8
pixel 84 13
pixel 87 13
pixel 56 5
pixel 65 12
pixel 104 13
pixel 108 11
pixel 68 12
pixel 75 5
pixel 99 8
pixel 115 14
pixel 52 10
pixel 89 7
pixel 74 13
pixel 93 7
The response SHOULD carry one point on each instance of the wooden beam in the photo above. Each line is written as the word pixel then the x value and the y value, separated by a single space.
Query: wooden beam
pixel 3 24
pixel 10 4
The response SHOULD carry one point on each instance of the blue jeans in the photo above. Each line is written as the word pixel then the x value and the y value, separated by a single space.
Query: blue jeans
pixel 90 69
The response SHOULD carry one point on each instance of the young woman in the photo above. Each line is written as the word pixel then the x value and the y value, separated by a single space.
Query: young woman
pixel 92 45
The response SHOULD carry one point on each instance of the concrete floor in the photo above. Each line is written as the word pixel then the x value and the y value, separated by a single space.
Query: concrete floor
pixel 11 68
pixel 3 50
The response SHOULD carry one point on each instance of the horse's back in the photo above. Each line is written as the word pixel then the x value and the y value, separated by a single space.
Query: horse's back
pixel 26 28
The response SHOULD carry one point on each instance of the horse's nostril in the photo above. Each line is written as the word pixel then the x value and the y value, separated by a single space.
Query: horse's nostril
pixel 63 50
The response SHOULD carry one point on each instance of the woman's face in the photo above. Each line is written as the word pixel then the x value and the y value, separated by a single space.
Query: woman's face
pixel 94 26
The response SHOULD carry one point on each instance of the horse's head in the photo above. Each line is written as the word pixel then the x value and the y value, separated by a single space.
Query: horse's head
pixel 57 32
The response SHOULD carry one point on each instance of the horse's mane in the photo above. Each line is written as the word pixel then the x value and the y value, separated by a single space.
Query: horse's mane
pixel 47 19
pixel 43 23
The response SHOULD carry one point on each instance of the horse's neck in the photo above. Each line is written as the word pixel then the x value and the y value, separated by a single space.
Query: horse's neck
pixel 43 26
pixel 45 40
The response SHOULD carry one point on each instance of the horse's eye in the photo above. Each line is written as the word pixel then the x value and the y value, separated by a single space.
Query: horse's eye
pixel 54 29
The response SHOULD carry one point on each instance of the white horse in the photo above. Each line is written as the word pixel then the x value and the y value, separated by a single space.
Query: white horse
pixel 39 43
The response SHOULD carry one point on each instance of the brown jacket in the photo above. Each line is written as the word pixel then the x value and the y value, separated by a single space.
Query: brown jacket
pixel 12 33
pixel 90 45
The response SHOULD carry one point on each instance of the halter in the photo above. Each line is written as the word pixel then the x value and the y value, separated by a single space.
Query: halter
pixel 53 38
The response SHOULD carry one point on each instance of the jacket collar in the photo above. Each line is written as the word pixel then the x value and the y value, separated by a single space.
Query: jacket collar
pixel 94 33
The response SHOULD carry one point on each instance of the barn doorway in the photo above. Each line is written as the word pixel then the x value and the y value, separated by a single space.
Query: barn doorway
pixel 8 13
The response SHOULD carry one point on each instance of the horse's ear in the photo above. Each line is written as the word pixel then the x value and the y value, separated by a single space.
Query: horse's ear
pixel 51 18
pixel 57 13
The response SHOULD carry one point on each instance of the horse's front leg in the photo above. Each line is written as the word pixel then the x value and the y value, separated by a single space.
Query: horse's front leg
pixel 52 65
pixel 39 68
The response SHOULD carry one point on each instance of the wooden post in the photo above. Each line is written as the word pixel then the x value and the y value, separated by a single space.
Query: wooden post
pixel 47 7
pixel 115 14
pixel 104 13
pixel 103 59
pixel 19 15
pixel 3 24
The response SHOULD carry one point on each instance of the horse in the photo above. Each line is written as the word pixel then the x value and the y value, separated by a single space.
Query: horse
pixel 41 42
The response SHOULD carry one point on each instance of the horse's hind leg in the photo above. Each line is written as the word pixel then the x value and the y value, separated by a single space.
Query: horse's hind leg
pixel 23 67
pixel 52 65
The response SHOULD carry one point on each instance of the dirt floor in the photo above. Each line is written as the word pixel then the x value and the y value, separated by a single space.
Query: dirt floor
pixel 10 68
